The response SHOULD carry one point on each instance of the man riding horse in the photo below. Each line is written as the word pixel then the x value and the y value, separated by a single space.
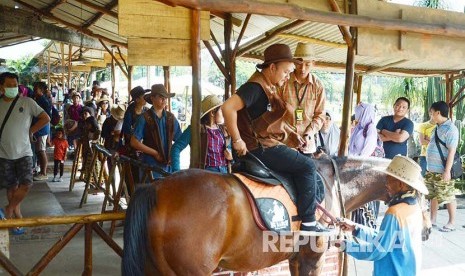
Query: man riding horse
pixel 252 116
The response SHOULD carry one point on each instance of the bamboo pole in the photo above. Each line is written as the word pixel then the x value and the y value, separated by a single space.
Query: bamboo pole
pixel 56 248
pixel 348 96
pixel 307 39
pixel 196 89
pixel 88 250
pixel 232 72
pixel 295 11
pixel 111 243
pixel 46 220
pixel 377 69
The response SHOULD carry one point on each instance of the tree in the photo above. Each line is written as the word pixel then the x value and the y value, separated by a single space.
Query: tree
pixel 25 68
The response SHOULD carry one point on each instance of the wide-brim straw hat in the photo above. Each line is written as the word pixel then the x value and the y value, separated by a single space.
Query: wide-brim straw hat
pixel 158 89
pixel 117 111
pixel 209 103
pixel 407 171
pixel 105 98
pixel 277 53
pixel 305 51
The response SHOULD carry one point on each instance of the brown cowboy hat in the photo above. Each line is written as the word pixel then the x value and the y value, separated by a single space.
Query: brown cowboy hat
pixel 158 89
pixel 277 53
pixel 138 91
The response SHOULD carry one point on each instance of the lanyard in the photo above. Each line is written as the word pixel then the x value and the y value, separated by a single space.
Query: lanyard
pixel 299 100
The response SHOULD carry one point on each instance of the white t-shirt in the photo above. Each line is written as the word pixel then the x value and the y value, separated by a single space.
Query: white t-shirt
pixel 15 143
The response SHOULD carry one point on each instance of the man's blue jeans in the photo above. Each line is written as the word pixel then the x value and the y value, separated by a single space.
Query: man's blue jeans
pixel 302 170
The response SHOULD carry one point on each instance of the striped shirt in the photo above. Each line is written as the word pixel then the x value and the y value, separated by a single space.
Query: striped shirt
pixel 310 97
pixel 449 134
pixel 216 147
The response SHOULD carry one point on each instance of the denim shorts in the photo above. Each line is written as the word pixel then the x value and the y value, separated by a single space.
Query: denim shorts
pixel 14 172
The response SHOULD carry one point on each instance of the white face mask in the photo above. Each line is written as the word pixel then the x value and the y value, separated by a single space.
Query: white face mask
pixel 11 92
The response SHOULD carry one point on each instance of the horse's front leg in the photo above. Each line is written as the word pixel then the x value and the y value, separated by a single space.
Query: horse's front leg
pixel 308 261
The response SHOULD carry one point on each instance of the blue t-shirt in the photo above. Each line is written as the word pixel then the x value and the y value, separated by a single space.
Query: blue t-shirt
pixel 46 105
pixel 391 148
pixel 139 132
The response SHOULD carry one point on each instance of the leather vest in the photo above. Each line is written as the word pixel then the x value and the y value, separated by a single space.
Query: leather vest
pixel 152 136
pixel 257 132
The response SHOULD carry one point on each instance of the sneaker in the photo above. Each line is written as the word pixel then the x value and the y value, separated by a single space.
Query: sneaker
pixel 315 230
pixel 60 179
pixel 40 177
pixel 54 179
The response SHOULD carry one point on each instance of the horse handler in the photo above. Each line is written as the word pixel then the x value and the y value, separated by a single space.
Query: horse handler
pixel 396 247
pixel 248 115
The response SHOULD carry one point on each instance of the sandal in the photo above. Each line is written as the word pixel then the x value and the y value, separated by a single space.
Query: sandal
pixel 18 231
pixel 447 229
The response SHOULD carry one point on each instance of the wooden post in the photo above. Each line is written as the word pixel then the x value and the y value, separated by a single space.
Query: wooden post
pixel 129 79
pixel 88 250
pixel 70 55
pixel 228 62
pixel 48 67
pixel 62 71
pixel 166 79
pixel 348 96
pixel 449 87
pixel 359 88
pixel 196 89
pixel 113 82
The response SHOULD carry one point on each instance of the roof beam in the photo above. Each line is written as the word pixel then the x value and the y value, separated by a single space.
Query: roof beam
pixel 25 23
pixel 67 24
pixel 99 15
pixel 290 10
pixel 307 39
pixel 54 5
pixel 269 35
pixel 98 8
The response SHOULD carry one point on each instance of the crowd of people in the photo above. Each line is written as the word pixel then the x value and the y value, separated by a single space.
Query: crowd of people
pixel 278 115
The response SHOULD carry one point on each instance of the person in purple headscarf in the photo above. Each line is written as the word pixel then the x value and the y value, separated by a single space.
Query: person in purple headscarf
pixel 364 143
pixel 364 139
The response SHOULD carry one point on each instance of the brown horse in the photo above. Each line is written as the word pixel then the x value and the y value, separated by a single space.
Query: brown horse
pixel 194 221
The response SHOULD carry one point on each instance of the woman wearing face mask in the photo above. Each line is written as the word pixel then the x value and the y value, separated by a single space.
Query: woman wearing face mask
pixel 214 140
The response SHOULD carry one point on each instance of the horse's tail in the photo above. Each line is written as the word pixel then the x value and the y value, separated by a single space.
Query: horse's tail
pixel 136 231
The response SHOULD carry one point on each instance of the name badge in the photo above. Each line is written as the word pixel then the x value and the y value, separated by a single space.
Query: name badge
pixel 299 114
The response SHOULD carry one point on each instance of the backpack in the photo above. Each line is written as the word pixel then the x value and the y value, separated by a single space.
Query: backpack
pixel 379 150
pixel 55 120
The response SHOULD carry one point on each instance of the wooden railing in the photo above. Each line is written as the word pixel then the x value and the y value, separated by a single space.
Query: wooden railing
pixel 89 222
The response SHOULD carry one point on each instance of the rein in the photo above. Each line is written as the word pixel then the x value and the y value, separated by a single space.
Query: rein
pixel 337 181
